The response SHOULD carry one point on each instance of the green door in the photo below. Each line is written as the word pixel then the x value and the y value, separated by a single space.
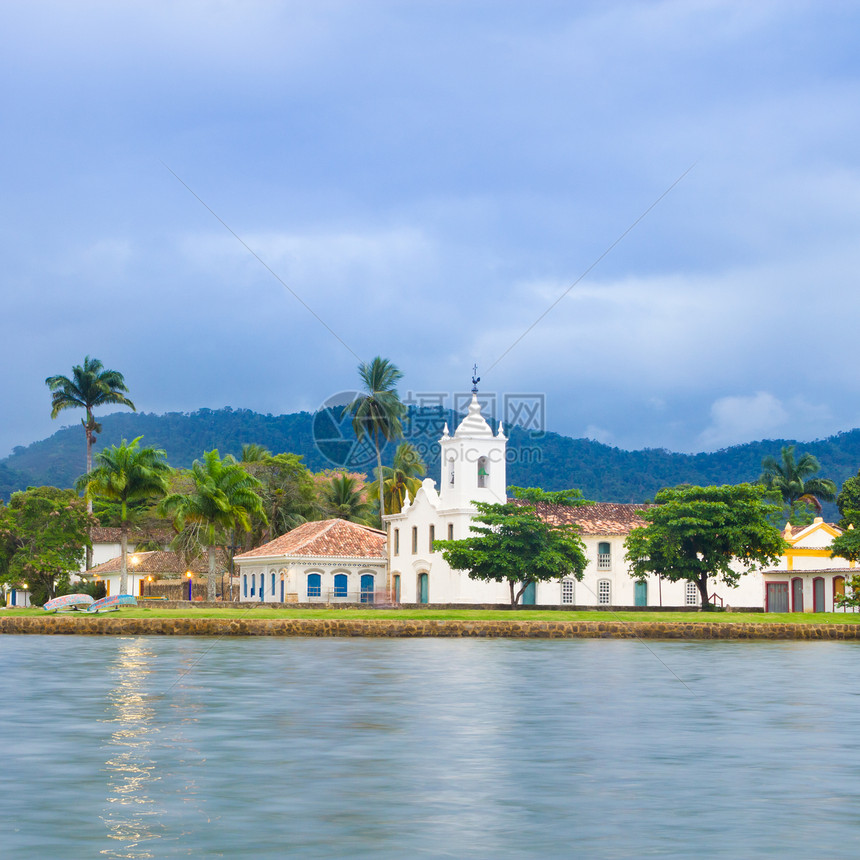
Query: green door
pixel 640 593
pixel 423 588
pixel 529 595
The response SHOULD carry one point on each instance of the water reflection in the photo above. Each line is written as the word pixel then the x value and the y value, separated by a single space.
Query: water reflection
pixel 131 816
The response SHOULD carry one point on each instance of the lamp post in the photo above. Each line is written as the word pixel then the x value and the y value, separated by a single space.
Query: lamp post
pixel 149 588
pixel 189 574
pixel 25 587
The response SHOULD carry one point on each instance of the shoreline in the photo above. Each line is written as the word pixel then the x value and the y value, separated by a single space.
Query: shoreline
pixel 422 628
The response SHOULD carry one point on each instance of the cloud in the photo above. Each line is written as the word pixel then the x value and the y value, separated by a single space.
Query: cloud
pixel 743 417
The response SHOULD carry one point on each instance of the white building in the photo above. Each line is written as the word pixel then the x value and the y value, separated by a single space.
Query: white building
pixel 330 561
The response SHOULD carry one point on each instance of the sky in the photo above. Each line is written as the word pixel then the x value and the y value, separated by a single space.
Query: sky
pixel 646 214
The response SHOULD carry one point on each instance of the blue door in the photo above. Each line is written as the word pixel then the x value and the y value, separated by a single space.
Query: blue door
pixel 282 591
pixel 640 593
pixel 340 585
pixel 529 595
pixel 314 585
pixel 367 588
pixel 423 588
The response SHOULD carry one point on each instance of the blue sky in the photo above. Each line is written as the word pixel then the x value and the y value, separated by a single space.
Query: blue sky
pixel 429 177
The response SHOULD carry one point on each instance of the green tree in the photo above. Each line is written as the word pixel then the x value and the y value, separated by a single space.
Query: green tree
pixel 343 499
pixel 848 501
pixel 126 474
pixel 402 477
pixel 377 412
pixel 694 533
pixel 569 498
pixel 90 385
pixel 793 478
pixel 221 496
pixel 43 535
pixel 511 543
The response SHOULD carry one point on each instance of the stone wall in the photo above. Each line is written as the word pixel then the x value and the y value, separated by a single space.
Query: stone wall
pixel 517 628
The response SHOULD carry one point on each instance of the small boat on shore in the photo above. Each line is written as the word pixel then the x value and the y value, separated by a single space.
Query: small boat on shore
pixel 112 603
pixel 69 602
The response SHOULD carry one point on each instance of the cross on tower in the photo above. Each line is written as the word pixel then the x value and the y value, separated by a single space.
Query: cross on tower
pixel 475 379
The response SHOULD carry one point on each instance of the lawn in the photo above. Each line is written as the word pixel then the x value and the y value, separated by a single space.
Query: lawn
pixel 266 612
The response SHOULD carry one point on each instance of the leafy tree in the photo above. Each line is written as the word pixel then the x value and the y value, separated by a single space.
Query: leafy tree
pixel 252 452
pixel 377 413
pixel 848 501
pixel 343 499
pixel 569 498
pixel 43 534
pixel 402 477
pixel 221 496
pixel 794 479
pixel 126 474
pixel 90 386
pixel 513 544
pixel 694 533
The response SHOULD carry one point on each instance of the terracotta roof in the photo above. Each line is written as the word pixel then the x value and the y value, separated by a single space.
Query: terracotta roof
pixel 160 563
pixel 325 538
pixel 599 518
pixel 111 534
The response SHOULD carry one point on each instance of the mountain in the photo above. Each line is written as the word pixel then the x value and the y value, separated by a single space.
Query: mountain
pixel 547 460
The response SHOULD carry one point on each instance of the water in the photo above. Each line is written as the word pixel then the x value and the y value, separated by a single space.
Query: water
pixel 162 747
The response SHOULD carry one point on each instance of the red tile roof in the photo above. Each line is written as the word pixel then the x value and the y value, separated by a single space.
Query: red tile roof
pixel 598 518
pixel 160 563
pixel 111 534
pixel 326 538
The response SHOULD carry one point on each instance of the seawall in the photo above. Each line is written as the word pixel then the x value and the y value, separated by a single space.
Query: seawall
pixel 415 627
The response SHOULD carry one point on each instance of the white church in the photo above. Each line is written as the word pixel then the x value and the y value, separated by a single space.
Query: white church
pixel 339 562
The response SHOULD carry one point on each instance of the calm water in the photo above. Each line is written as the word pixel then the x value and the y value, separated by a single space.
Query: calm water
pixel 189 747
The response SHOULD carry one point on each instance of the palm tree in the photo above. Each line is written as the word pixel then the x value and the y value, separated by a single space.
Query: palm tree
pixel 343 498
pixel 222 496
pixel 126 473
pixel 792 479
pixel 90 386
pixel 403 477
pixel 376 414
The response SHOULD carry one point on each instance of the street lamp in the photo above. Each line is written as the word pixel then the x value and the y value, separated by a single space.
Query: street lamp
pixel 189 574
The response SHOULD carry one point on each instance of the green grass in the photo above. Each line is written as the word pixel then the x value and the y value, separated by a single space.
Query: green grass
pixel 265 612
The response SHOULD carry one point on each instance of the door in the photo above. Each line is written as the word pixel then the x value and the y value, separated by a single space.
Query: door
pixel 818 594
pixel 529 595
pixel 838 590
pixel 341 583
pixel 367 588
pixel 423 588
pixel 777 597
pixel 282 590
pixel 797 594
pixel 640 593
pixel 397 588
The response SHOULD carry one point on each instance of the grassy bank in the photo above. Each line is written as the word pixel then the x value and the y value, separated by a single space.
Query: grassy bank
pixel 272 613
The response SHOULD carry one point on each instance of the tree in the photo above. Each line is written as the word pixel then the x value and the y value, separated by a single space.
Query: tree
pixel 90 386
pixel 402 477
pixel 343 499
pixel 848 501
pixel 513 544
pixel 221 496
pixel 793 479
pixel 126 474
pixel 43 534
pixel 694 533
pixel 377 412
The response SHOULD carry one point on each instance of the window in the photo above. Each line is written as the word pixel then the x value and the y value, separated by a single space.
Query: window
pixel 397 541
pixel 567 592
pixel 414 540
pixel 340 584
pixel 604 556
pixel 245 585
pixel 483 471
pixel 253 580
pixel 450 531
pixel 314 585
pixel 604 592
pixel 262 585
pixel 691 594
pixel 432 536
pixel 451 471
pixel 273 583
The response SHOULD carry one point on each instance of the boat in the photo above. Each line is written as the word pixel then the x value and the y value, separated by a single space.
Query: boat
pixel 112 603
pixel 71 602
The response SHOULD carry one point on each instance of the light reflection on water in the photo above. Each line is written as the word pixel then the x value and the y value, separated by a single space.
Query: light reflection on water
pixel 427 748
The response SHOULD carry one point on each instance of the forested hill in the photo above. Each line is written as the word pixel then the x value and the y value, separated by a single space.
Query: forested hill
pixel 552 461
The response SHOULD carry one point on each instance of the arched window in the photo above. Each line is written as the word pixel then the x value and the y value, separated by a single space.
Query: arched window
pixel 273 583
pixel 262 585
pixel 604 592
pixel 451 471
pixel 604 556
pixel 483 471
pixel 367 588
pixel 314 585
pixel 244 584
pixel 567 590
pixel 691 594
pixel 397 541
pixel 253 585
pixel 340 584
